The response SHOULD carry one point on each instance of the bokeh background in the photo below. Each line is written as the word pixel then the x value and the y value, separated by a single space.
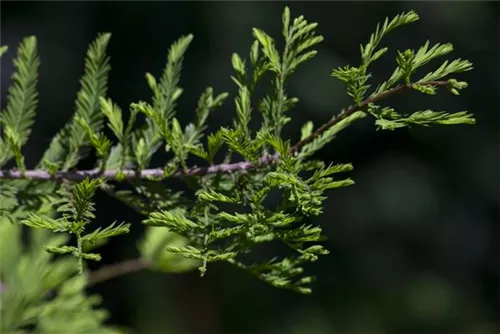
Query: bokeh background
pixel 414 244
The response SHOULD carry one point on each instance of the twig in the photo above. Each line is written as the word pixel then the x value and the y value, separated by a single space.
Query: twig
pixel 42 175
pixel 349 111
pixel 118 269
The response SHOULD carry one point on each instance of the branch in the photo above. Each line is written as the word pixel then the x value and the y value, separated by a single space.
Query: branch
pixel 116 270
pixel 42 175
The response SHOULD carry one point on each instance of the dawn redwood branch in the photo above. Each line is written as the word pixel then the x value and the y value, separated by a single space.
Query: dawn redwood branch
pixel 40 174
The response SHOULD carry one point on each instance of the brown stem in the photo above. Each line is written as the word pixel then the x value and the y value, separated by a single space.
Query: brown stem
pixel 118 269
pixel 42 175
pixel 39 174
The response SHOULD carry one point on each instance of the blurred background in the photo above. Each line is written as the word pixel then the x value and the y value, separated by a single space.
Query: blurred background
pixel 414 243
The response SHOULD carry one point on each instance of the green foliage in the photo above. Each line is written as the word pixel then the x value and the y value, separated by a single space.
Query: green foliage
pixel 327 136
pixel 299 37
pixel 271 197
pixel 161 123
pixel 18 117
pixel 388 119
pixel 70 145
pixel 8 199
pixel 77 209
pixel 42 294
pixel 153 248
pixel 3 50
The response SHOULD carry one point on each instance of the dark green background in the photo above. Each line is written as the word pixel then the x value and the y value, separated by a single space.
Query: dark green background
pixel 414 244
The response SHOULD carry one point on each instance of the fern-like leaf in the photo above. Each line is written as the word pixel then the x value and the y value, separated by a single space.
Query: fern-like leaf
pixel 3 50
pixel 69 146
pixel 18 116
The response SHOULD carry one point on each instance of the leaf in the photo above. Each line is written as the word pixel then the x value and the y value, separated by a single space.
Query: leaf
pixel 36 221
pixel 91 256
pixel 207 103
pixel 236 217
pixel 367 51
pixel 174 220
pixel 98 140
pixel 22 98
pixel 187 251
pixel 168 89
pixel 425 55
pixel 69 145
pixel 61 249
pixel 214 196
pixel 8 199
pixel 107 232
pixel 3 50
pixel 238 64
pixel 78 204
pixel 426 118
pixel 268 49
pixel 456 66
pixel 327 136
pixel 153 248
pixel 243 109
pixel 114 116
pixel 215 142
pixel 306 130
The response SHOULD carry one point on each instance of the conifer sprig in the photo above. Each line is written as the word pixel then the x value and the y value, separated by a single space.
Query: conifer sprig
pixel 228 213
pixel 19 115
pixel 360 107
pixel 69 146
pixel 77 211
